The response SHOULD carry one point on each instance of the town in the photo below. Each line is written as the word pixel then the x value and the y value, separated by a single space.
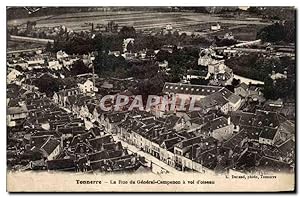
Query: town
pixel 67 72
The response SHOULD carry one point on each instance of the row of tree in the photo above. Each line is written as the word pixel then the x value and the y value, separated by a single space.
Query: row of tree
pixel 278 32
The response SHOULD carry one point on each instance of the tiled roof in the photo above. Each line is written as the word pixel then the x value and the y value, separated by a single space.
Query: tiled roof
pixel 61 164
pixel 50 145
pixel 189 89
pixel 268 133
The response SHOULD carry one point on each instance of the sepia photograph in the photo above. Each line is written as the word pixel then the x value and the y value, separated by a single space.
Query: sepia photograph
pixel 150 99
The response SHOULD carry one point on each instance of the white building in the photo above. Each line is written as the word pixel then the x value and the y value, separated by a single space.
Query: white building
pixel 87 87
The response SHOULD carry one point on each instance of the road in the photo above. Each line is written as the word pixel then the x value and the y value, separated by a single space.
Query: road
pixel 148 157
pixel 31 39
pixel 247 80
pixel 161 165
pixel 24 50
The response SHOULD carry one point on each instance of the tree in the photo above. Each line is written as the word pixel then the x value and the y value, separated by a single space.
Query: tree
pixel 47 84
pixel 278 32
pixel 235 82
pixel 49 46
pixel 78 68
pixel 281 88
pixel 127 32
pixel 163 55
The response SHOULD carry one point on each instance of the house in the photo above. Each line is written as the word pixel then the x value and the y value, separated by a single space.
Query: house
pixel 273 165
pixel 205 58
pixel 286 131
pixel 87 86
pixel 54 64
pixel 255 92
pixel 61 97
pixel 220 128
pixel 213 102
pixel 184 146
pixel 197 74
pixel 37 60
pixel 126 42
pixel 69 61
pixel 275 103
pixel 22 63
pixel 275 76
pixel 111 120
pixel 13 75
pixel 268 136
pixel 216 67
pixel 215 27
pixel 163 65
pixel 115 53
pixel 241 90
pixel 167 150
pixel 51 148
pixel 15 114
pixel 61 55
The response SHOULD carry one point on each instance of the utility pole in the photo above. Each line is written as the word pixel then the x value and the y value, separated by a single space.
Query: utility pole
pixel 93 67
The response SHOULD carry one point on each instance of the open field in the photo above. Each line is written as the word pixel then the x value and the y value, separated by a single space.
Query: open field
pixel 241 32
pixel 140 20
pixel 21 45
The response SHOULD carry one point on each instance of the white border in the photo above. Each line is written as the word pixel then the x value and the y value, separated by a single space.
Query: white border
pixel 110 3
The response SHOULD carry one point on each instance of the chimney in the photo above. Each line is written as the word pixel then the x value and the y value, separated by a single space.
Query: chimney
pixel 229 120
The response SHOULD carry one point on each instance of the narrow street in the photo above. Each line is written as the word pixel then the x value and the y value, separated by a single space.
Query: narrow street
pixel 148 157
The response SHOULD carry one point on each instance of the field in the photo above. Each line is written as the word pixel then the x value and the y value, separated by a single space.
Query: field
pixel 21 45
pixel 184 21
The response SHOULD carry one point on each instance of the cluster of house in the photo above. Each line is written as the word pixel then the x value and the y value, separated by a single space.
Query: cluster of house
pixel 38 59
pixel 211 67
pixel 218 138
pixel 44 136
pixel 39 32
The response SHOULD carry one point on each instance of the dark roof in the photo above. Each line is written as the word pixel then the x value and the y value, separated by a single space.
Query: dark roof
pixel 99 141
pixel 115 154
pixel 50 145
pixel 273 165
pixel 214 124
pixel 61 164
pixel 189 142
pixel 190 89
pixel 98 156
pixel 17 110
pixel 259 119
pixel 252 132
pixel 38 141
pixel 243 85
pixel 203 72
pixel 198 121
pixel 169 143
pixel 288 146
pixel 235 140
pixel 288 127
pixel 268 133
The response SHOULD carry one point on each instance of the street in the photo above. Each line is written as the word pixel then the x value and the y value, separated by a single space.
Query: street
pixel 148 157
